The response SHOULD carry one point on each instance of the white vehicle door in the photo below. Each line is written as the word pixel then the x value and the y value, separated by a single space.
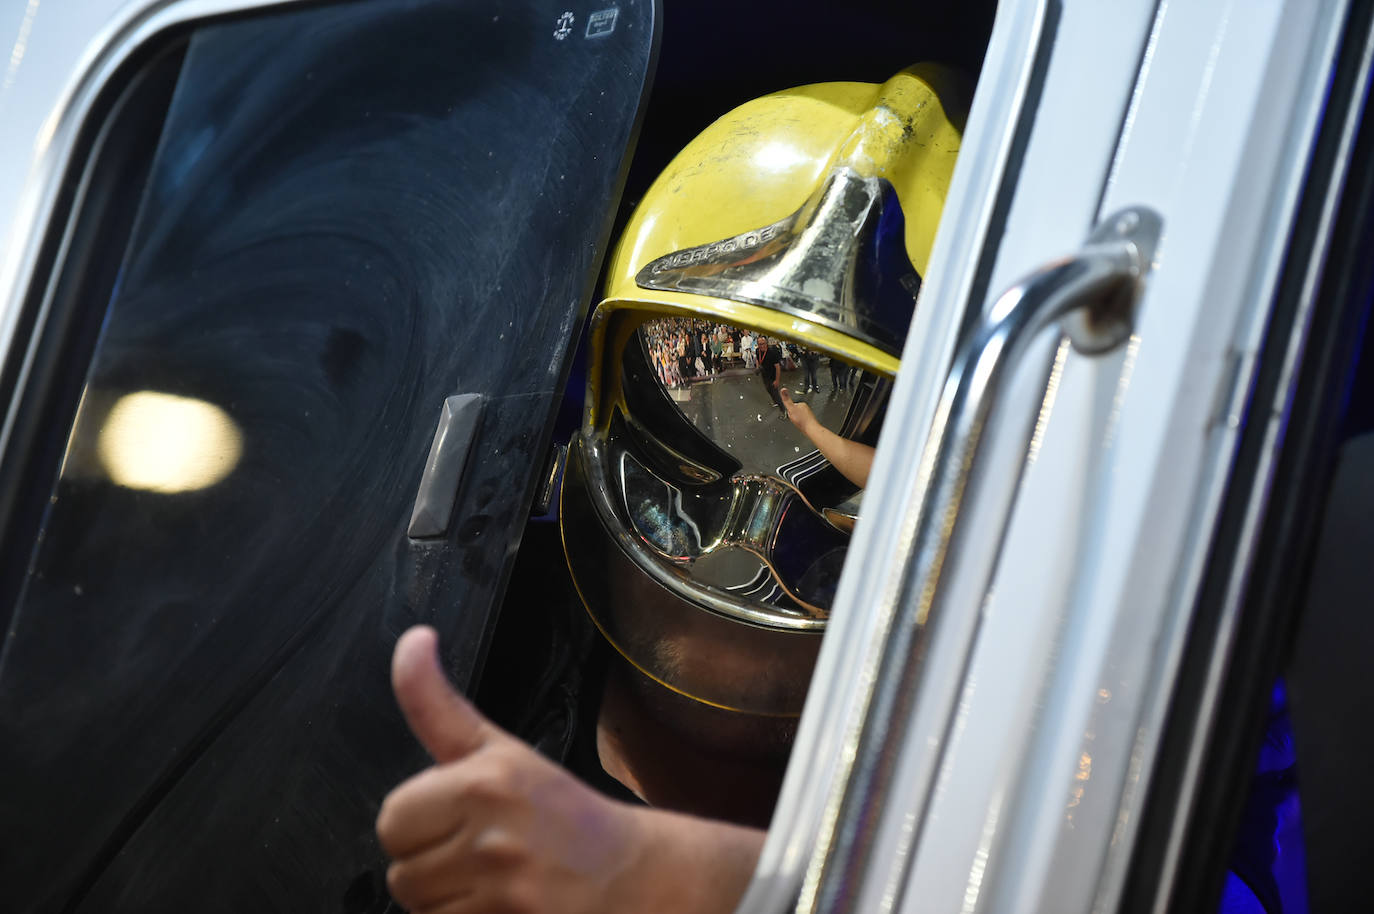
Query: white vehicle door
pixel 1133 238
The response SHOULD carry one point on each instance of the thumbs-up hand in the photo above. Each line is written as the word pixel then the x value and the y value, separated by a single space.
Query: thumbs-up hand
pixel 446 723
pixel 493 826
pixel 799 413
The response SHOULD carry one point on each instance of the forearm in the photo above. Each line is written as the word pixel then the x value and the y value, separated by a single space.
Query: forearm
pixel 852 459
pixel 687 865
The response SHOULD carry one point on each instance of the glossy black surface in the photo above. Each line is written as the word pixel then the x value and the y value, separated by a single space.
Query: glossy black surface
pixel 354 213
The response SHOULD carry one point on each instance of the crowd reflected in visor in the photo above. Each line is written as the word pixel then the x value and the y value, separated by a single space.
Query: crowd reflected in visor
pixel 728 381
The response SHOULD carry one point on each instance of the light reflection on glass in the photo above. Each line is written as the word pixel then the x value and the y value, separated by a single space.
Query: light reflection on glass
pixel 161 442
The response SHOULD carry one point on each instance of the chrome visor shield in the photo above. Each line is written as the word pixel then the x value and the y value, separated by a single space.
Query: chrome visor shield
pixel 705 535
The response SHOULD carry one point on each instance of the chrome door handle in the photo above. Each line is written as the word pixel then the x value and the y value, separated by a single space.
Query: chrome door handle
pixel 1092 296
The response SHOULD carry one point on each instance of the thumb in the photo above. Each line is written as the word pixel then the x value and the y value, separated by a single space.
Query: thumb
pixel 444 722
pixel 786 397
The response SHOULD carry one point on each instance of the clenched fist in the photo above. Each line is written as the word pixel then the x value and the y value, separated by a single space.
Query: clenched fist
pixel 495 827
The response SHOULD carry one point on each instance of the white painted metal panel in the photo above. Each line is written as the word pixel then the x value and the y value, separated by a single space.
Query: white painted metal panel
pixel 1097 53
pixel 1049 219
pixel 1041 778
pixel 846 655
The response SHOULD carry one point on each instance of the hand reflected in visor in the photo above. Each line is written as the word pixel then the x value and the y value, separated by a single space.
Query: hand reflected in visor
pixel 852 459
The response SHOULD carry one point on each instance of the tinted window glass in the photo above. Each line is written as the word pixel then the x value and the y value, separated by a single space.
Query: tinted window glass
pixel 353 214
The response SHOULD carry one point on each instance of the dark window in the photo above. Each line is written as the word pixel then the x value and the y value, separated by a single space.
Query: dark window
pixel 328 221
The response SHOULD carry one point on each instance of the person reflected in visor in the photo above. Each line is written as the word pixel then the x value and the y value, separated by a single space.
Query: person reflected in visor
pixel 770 370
